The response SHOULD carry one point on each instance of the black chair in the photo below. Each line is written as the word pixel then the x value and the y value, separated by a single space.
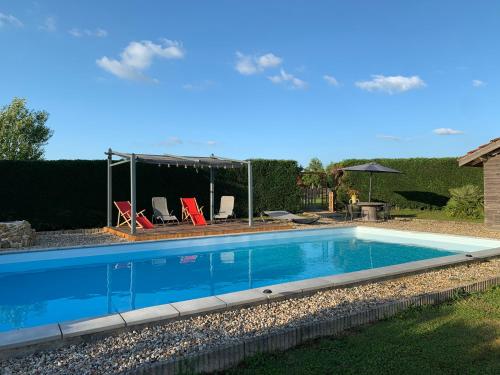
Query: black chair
pixel 353 211
pixel 386 212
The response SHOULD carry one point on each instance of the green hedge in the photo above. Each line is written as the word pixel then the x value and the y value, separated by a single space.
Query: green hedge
pixel 425 182
pixel 64 194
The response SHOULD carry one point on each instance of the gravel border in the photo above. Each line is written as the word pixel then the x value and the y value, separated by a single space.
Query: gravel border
pixel 62 239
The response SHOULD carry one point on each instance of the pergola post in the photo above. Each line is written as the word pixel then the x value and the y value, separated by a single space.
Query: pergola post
pixel 133 212
pixel 250 194
pixel 110 190
pixel 211 195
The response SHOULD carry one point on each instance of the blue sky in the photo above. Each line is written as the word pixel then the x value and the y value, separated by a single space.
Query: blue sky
pixel 248 79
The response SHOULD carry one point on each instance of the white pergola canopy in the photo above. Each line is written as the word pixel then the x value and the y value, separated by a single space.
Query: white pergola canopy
pixel 211 162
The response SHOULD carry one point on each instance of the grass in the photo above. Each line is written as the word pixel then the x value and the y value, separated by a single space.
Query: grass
pixel 462 337
pixel 431 215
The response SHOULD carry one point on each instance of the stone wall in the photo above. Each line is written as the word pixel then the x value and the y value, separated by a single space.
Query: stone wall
pixel 16 234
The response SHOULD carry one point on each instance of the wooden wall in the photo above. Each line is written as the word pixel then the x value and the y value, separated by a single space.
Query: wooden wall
pixel 492 192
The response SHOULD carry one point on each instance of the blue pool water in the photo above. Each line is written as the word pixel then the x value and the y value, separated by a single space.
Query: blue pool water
pixel 56 286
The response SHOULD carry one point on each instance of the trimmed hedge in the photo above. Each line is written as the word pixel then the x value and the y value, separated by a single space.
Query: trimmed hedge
pixel 66 194
pixel 425 182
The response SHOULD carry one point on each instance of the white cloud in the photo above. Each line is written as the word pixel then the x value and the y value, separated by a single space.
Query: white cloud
pixel 176 141
pixel 269 60
pixel 248 65
pixel 49 24
pixel 169 142
pixel 447 131
pixel 288 79
pixel 389 137
pixel 9 20
pixel 138 56
pixel 200 86
pixel 331 80
pixel 391 84
pixel 478 83
pixel 78 33
pixel 245 64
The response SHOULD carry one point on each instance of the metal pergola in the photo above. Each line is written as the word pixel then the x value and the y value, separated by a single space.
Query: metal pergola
pixel 211 162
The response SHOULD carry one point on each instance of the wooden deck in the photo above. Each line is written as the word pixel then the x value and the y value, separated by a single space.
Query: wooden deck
pixel 162 232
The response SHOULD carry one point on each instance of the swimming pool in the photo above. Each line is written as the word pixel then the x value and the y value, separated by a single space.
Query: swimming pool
pixel 43 287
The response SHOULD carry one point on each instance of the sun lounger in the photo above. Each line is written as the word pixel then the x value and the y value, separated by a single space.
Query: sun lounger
pixel 161 212
pixel 287 216
pixel 226 209
pixel 191 211
pixel 124 216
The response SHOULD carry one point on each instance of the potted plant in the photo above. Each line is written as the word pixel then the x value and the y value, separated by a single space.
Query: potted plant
pixel 353 193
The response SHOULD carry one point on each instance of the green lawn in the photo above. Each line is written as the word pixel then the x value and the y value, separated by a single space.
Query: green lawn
pixel 462 337
pixel 430 214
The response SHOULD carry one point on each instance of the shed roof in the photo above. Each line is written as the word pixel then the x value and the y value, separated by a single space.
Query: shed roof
pixel 184 161
pixel 476 157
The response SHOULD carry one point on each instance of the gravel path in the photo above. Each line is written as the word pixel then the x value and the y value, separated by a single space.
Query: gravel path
pixel 131 349
pixel 449 227
pixel 44 240
pixel 75 239
pixel 419 225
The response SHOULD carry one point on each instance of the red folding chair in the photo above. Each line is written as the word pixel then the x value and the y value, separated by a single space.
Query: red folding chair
pixel 124 216
pixel 191 211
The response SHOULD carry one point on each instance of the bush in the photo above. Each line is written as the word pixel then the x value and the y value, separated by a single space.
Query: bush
pixel 465 202
pixel 425 182
pixel 66 194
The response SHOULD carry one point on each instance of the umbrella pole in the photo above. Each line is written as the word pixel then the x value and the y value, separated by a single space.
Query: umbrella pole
pixel 370 190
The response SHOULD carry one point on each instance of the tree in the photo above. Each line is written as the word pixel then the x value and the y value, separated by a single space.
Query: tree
pixel 314 173
pixel 23 133
pixel 334 175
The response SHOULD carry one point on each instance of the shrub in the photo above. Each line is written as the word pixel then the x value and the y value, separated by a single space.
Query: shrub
pixel 465 202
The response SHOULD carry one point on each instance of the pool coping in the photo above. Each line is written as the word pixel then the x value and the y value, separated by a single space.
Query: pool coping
pixel 28 340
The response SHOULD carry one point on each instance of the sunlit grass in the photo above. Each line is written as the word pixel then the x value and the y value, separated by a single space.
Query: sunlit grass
pixel 431 215
pixel 461 337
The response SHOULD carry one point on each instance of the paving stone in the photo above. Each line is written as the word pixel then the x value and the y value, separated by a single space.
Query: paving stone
pixel 244 297
pixel 94 325
pixel 199 305
pixel 149 314
pixel 29 336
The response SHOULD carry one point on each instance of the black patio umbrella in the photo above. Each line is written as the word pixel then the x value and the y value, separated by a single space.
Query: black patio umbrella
pixel 370 168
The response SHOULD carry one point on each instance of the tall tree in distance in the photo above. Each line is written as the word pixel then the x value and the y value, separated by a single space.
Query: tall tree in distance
pixel 23 133
pixel 313 173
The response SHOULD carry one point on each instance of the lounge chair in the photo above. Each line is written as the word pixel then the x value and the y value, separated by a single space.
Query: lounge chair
pixel 161 212
pixel 191 211
pixel 287 216
pixel 226 209
pixel 124 212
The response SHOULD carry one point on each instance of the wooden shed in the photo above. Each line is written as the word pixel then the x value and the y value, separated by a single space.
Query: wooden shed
pixel 488 157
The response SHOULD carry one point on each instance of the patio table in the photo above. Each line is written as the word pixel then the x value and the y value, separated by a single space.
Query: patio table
pixel 369 210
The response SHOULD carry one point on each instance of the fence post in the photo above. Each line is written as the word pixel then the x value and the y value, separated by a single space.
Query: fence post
pixel 331 201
